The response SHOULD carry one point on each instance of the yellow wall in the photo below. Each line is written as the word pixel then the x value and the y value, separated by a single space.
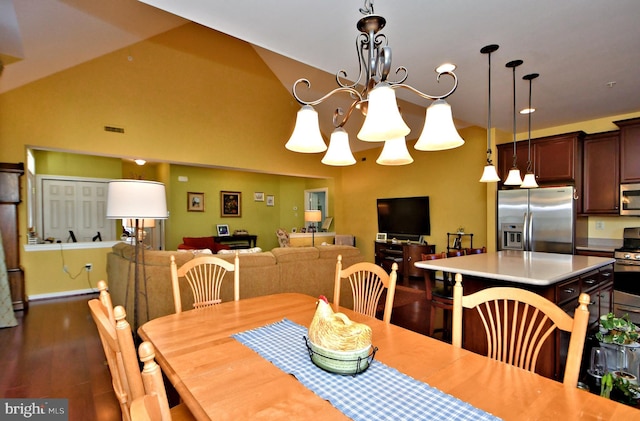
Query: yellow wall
pixel 207 104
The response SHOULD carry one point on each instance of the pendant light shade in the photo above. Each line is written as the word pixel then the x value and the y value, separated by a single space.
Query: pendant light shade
pixel 395 152
pixel 339 153
pixel 306 137
pixel 514 178
pixel 383 120
pixel 529 181
pixel 489 175
pixel 439 132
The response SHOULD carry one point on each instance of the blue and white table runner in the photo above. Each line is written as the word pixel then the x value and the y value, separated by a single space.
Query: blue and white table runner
pixel 380 393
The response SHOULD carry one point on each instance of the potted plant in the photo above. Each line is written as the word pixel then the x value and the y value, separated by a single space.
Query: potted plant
pixel 617 330
pixel 619 389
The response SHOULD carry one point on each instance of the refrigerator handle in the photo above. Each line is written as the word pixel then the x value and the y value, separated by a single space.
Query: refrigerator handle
pixel 525 231
pixel 530 232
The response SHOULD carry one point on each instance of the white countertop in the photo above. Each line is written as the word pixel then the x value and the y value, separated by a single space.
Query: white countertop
pixel 526 267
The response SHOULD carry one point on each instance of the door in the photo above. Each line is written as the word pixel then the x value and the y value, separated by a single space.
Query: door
pixel 551 222
pixel 512 209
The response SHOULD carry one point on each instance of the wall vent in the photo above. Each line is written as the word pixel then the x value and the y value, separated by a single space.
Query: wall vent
pixel 114 129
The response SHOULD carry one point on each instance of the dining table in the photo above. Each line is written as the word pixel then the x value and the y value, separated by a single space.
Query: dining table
pixel 204 354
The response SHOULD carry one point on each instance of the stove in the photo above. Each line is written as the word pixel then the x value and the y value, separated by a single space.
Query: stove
pixel 626 280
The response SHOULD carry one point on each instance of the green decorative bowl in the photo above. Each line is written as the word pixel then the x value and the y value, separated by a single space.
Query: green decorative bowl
pixel 341 362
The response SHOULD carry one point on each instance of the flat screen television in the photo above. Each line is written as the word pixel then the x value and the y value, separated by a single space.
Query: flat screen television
pixel 404 218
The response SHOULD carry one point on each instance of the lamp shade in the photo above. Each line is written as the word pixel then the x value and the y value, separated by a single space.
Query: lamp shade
pixel 306 137
pixel 339 153
pixel 529 181
pixel 489 175
pixel 439 133
pixel 383 119
pixel 136 199
pixel 146 222
pixel 513 179
pixel 312 215
pixel 395 152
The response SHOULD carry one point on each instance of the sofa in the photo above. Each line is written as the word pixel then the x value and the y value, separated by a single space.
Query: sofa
pixel 308 270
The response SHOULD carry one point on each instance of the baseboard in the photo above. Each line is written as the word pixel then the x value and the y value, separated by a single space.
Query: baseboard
pixel 61 294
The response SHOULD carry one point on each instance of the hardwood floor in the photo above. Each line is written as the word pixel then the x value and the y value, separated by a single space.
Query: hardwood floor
pixel 55 352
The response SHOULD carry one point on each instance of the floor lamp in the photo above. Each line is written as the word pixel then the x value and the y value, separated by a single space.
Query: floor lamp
pixel 313 216
pixel 136 200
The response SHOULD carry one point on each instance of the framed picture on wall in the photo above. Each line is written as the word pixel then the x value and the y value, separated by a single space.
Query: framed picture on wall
pixel 271 200
pixel 230 203
pixel 195 202
pixel 258 196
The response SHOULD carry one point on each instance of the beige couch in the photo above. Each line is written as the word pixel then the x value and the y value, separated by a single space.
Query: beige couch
pixel 308 270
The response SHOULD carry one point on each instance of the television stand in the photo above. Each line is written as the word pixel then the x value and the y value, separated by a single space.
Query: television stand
pixel 405 254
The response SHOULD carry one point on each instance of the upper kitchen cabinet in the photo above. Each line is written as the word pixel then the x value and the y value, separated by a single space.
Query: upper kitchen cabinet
pixel 555 159
pixel 629 150
pixel 601 193
pixel 558 159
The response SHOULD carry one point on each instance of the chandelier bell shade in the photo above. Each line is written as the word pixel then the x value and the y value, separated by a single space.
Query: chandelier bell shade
pixel 373 94
pixel 395 152
pixel 489 175
pixel 339 153
pixel 438 133
pixel 306 137
pixel 514 178
pixel 529 181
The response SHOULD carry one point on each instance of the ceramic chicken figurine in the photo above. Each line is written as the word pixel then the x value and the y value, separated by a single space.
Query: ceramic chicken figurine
pixel 336 331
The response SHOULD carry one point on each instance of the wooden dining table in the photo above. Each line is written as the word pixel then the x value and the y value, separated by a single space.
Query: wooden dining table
pixel 218 378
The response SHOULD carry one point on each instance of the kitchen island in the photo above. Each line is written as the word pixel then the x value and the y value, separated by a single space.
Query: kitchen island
pixel 558 277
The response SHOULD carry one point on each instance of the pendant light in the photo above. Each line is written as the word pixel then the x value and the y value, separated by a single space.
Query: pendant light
pixel 339 153
pixel 529 181
pixel 514 179
pixel 395 152
pixel 489 175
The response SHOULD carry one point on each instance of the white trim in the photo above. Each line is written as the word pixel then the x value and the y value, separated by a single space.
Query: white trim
pixel 69 246
pixel 50 295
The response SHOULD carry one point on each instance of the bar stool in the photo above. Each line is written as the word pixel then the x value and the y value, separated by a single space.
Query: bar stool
pixel 438 297
pixel 475 250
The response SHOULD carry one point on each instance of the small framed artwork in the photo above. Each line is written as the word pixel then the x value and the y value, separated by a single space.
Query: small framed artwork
pixel 195 202
pixel 258 196
pixel 381 236
pixel 327 223
pixel 271 200
pixel 230 203
pixel 223 230
pixel 294 229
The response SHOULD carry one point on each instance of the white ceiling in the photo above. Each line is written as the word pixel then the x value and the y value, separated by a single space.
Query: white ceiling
pixel 579 47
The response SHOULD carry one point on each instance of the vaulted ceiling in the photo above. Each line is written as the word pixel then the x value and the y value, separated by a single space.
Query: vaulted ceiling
pixel 586 52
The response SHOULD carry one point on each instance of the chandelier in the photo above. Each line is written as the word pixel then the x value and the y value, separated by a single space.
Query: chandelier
pixel 374 95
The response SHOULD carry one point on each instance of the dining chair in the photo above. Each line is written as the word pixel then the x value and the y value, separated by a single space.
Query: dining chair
pixel 479 250
pixel 438 297
pixel 517 323
pixel 455 253
pixel 154 405
pixel 119 349
pixel 204 275
pixel 367 281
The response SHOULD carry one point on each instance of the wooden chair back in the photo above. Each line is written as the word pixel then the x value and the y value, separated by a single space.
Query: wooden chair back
pixel 117 342
pixel 153 405
pixel 204 275
pixel 367 281
pixel 455 253
pixel 517 322
pixel 480 250
pixel 430 275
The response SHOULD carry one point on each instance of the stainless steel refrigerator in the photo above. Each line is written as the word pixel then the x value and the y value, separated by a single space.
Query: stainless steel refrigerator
pixel 540 219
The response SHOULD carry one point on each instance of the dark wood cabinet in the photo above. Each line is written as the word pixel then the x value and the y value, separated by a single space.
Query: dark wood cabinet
pixel 629 150
pixel 9 199
pixel 555 159
pixel 600 188
pixel 405 255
